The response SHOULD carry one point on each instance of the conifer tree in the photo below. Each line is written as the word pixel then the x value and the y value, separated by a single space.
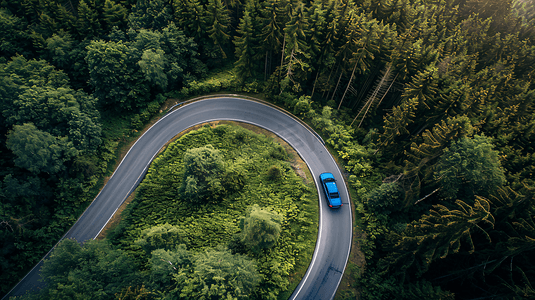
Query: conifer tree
pixel 113 14
pixel 245 44
pixel 423 153
pixel 191 16
pixel 469 167
pixel 438 234
pixel 272 19
pixel 296 55
pixel 369 39
pixel 150 14
pixel 217 24
pixel 87 23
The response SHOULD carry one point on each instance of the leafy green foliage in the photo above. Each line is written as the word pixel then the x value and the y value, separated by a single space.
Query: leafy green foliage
pixel 469 167
pixel 387 198
pixel 203 173
pixel 123 73
pixel 455 68
pixel 165 264
pixel 260 228
pixel 218 274
pixel 94 270
pixel 39 151
pixel 164 236
pixel 247 158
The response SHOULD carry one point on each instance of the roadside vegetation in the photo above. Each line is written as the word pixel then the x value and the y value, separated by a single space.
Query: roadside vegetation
pixel 221 212
pixel 427 105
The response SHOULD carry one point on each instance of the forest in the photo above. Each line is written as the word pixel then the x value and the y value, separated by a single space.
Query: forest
pixel 427 104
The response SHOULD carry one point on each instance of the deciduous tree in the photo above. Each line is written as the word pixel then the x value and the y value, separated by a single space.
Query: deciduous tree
pixel 203 171
pixel 260 228
pixel 39 151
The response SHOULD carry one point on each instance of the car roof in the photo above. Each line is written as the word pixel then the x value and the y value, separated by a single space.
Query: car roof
pixel 326 175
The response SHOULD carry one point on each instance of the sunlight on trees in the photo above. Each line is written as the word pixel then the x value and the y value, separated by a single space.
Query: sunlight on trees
pixel 260 228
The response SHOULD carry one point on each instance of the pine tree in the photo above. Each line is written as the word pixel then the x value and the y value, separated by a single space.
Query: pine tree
pixel 113 14
pixel 245 45
pixel 370 38
pixel 217 24
pixel 426 152
pixel 150 14
pixel 347 35
pixel 191 16
pixel 439 234
pixel 87 23
pixel 323 38
pixel 272 19
pixel 296 55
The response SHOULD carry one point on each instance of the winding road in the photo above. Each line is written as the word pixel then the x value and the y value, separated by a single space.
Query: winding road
pixel 335 225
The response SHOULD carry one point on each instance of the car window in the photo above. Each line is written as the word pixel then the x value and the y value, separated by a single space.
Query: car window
pixel 335 195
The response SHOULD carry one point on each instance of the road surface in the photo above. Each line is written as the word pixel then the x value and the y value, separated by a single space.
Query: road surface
pixel 335 225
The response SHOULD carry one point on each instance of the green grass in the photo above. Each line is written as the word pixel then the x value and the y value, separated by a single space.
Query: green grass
pixel 216 223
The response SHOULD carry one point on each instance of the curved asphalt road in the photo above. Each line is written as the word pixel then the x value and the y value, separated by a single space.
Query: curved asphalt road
pixel 335 226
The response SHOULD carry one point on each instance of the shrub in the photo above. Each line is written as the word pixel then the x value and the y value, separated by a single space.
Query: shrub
pixel 387 198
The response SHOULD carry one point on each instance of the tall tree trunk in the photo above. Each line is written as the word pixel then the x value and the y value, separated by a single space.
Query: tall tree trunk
pixel 314 87
pixel 339 78
pixel 282 56
pixel 329 82
pixel 265 65
pixel 376 92
pixel 349 83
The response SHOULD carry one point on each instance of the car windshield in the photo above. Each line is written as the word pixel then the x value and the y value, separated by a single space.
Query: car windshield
pixel 335 195
pixel 329 180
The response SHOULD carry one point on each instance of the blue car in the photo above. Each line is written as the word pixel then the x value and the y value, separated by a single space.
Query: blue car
pixel 331 190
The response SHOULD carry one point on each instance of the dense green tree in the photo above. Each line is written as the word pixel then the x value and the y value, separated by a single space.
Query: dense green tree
pixel 113 14
pixel 218 28
pixel 423 154
pixel 39 151
pixel 153 64
pixel 438 234
pixel 260 228
pixel 326 57
pixel 203 173
pixel 246 44
pixel 61 112
pixel 296 57
pixel 14 39
pixel 150 14
pixel 191 16
pixel 369 39
pixel 469 167
pixel 387 198
pixel 182 55
pixel 272 18
pixel 217 274
pixel 164 236
pixel 165 265
pixel 87 21
pixel 115 75
pixel 94 270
